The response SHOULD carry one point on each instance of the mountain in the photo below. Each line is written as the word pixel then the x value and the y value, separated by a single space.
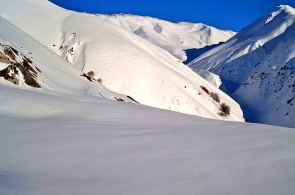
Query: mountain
pixel 61 132
pixel 257 67
pixel 122 61
pixel 172 37
pixel 27 63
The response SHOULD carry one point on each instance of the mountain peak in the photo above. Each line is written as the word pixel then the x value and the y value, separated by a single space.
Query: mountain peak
pixel 281 13
pixel 286 8
pixel 257 64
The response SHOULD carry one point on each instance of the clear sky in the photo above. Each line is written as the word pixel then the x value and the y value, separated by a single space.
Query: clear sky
pixel 223 14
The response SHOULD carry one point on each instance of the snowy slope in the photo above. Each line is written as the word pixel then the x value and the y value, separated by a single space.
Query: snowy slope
pixel 126 63
pixel 62 138
pixel 51 72
pixel 210 77
pixel 54 143
pixel 257 67
pixel 173 37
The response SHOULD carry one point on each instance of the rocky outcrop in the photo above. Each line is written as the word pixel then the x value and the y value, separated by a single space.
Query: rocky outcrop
pixel 10 74
pixel 20 68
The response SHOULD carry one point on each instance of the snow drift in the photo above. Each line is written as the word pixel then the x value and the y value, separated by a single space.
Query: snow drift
pixel 54 143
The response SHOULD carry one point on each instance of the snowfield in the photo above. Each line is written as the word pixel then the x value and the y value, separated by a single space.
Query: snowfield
pixel 53 143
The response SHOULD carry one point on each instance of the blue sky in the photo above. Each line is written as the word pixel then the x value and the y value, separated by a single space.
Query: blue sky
pixel 223 14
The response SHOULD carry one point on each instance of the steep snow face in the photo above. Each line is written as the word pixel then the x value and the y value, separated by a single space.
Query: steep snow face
pixel 258 67
pixel 126 63
pixel 172 37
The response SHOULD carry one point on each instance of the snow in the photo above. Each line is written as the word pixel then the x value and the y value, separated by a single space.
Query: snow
pixel 56 74
pixel 71 137
pixel 53 143
pixel 3 66
pixel 126 63
pixel 210 77
pixel 256 67
pixel 172 37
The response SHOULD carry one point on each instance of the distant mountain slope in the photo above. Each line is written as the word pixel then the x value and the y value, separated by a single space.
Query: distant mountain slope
pixel 257 67
pixel 172 37
pixel 126 63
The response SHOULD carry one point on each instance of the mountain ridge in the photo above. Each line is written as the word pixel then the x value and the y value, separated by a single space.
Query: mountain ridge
pixel 257 67
pixel 172 37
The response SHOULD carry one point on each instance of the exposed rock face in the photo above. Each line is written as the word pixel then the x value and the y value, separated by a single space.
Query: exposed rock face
pixel 10 74
pixel 4 59
pixel 9 51
pixel 20 67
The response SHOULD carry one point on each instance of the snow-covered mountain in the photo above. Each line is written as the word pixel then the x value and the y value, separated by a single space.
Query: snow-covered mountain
pixel 173 37
pixel 257 66
pixel 61 132
pixel 28 64
pixel 123 61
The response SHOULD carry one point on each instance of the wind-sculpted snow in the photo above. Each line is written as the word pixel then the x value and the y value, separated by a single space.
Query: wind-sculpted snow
pixel 122 61
pixel 257 67
pixel 53 143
